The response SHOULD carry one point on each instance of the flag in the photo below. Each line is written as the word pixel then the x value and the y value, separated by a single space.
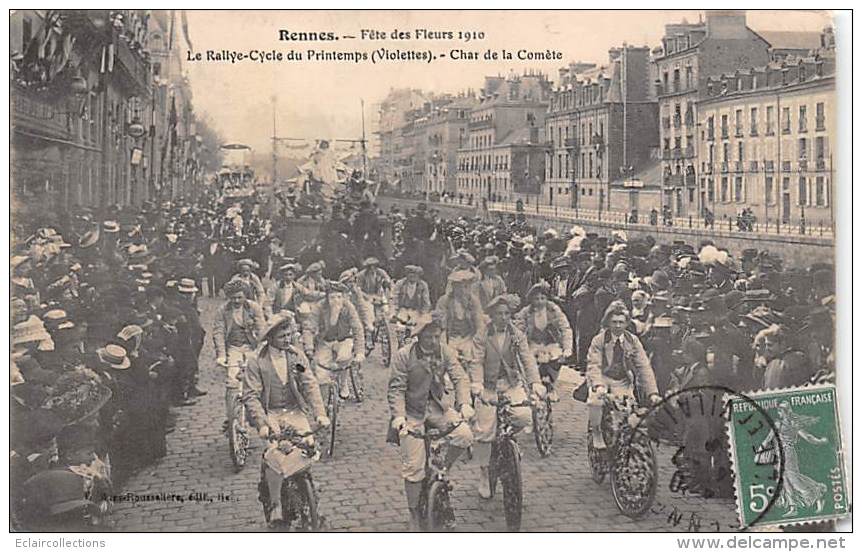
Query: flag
pixel 185 23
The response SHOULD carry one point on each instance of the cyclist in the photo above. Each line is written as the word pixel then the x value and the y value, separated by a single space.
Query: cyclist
pixel 236 329
pixel 374 283
pixel 410 296
pixel 504 365
pixel 286 293
pixel 363 307
pixel 340 337
pixel 462 315
pixel 417 402
pixel 615 355
pixel 548 332
pixel 252 281
pixel 491 283
pixel 312 285
pixel 280 392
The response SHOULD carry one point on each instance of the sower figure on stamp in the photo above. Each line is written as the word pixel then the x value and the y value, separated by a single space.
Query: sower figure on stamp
pixel 417 402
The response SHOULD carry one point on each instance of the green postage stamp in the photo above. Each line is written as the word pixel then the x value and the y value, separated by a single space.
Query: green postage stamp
pixel 788 457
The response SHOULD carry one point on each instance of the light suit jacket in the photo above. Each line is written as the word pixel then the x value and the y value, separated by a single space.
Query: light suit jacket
pixel 260 377
pixel 414 381
pixel 508 362
pixel 601 356
pixel 253 323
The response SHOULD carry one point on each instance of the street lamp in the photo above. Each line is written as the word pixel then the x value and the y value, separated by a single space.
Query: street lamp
pixel 135 128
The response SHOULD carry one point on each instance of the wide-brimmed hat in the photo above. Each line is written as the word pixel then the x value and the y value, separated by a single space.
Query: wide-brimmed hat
pixel 425 321
pixel 54 318
pixel 247 262
pixel 336 287
pixel 234 285
pixel 539 287
pixel 490 260
pixel 111 226
pixel 29 331
pixel 348 275
pixel 371 261
pixel 510 300
pixel 114 357
pixel 187 285
pixel 461 276
pixel 296 267
pixel 314 267
pixel 414 269
pixel 278 320
pixel 18 260
pixel 89 239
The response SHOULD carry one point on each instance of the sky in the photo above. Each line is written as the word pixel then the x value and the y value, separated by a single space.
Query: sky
pixel 322 99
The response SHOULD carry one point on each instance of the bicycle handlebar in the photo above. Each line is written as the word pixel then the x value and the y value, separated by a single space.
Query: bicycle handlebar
pixel 435 434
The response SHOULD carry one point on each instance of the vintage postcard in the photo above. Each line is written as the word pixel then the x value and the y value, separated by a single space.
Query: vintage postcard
pixel 428 270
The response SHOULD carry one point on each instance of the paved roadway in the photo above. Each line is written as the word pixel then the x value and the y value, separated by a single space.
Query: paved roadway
pixel 361 489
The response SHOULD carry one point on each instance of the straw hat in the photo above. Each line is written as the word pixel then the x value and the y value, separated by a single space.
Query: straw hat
pixel 114 356
pixel 32 329
pixel 187 285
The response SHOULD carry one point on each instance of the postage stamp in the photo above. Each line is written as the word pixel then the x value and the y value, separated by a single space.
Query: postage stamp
pixel 801 440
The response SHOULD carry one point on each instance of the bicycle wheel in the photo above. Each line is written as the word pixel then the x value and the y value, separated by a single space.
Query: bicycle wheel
pixel 299 503
pixel 238 440
pixel 332 412
pixel 441 517
pixel 510 478
pixel 598 466
pixel 634 474
pixel 357 381
pixel 387 343
pixel 543 427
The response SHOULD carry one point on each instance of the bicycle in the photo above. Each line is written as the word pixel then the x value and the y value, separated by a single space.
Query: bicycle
pixel 435 508
pixel 543 422
pixel 382 333
pixel 630 456
pixel 237 423
pixel 298 494
pixel 333 398
pixel 402 328
pixel 506 461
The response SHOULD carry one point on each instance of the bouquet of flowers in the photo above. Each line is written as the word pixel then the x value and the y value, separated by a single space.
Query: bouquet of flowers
pixel 76 395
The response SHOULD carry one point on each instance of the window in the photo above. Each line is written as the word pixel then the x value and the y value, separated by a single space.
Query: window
pixel 753 122
pixel 785 120
pixel 711 190
pixel 770 125
pixel 710 127
pixel 803 192
pixel 740 151
pixel 738 190
pixel 724 189
pixel 820 190
pixel 803 148
pixel 724 131
pixel 676 82
pixel 803 118
pixel 689 77
pixel 820 116
pixel 738 125
pixel 725 152
pixel 769 191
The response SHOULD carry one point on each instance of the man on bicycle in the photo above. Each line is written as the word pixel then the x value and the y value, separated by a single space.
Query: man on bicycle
pixel 312 286
pixel 252 281
pixel 504 365
pixel 357 297
pixel 280 392
pixel 616 362
pixel 286 293
pixel 462 315
pixel 410 296
pixel 340 337
pixel 417 402
pixel 374 283
pixel 237 326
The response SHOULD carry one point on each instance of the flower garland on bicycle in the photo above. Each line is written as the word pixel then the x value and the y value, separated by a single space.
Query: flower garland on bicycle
pixel 616 362
pixel 548 333
pixel 280 392
pixel 417 401
pixel 504 364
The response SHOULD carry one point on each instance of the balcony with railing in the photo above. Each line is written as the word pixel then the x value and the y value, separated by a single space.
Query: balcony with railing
pixel 769 166
pixel 753 166
pixel 738 131
pixel 738 166
pixel 677 121
pixel 725 133
pixel 688 152
pixel 820 164
pixel 753 131
pixel 725 166
pixel 820 123
pixel 571 143
pixel 785 166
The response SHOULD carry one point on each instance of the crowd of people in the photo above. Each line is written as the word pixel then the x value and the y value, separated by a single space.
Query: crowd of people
pixel 106 331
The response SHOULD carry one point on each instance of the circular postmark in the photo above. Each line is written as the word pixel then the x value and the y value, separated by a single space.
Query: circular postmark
pixel 718 441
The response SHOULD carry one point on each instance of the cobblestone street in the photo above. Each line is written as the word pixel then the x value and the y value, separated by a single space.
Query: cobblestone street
pixel 361 488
